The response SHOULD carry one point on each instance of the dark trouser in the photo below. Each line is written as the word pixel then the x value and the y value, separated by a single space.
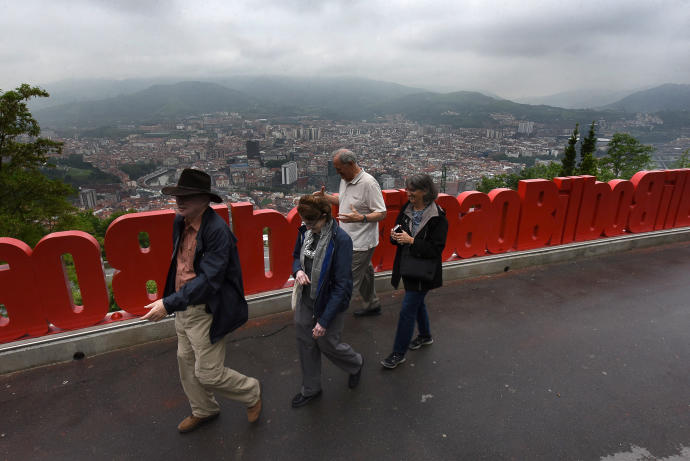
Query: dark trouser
pixel 342 355
pixel 413 309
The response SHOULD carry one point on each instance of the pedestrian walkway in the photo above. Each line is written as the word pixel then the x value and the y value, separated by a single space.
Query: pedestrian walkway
pixel 583 360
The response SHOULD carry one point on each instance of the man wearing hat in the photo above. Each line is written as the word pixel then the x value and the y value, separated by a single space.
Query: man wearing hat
pixel 204 289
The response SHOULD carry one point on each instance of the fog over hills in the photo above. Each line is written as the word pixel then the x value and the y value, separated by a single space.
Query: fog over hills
pixel 137 101
pixel 80 90
pixel 578 99
pixel 158 102
pixel 473 110
pixel 668 97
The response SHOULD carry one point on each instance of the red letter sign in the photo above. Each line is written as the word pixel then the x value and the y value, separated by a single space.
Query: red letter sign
pixel 55 290
pixel 539 201
pixel 135 265
pixel 19 292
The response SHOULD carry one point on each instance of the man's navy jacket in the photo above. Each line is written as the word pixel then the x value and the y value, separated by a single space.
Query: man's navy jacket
pixel 218 281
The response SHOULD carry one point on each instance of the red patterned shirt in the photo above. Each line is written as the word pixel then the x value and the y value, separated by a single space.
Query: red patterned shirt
pixel 185 253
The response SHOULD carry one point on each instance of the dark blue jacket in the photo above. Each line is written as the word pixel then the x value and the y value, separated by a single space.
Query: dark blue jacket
pixel 218 281
pixel 335 284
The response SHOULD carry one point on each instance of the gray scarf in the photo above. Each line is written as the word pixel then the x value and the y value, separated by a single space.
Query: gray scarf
pixel 319 254
pixel 428 213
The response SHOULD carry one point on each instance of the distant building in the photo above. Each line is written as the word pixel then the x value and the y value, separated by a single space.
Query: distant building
pixel 253 150
pixel 302 182
pixel 453 188
pixel 314 134
pixel 288 172
pixel 87 197
pixel 526 128
pixel 332 179
pixel 222 181
pixel 387 181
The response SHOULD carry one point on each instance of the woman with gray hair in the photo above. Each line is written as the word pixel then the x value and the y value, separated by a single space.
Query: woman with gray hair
pixel 420 236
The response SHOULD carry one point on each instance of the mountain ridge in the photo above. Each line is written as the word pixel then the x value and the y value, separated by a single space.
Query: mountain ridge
pixel 339 98
pixel 666 97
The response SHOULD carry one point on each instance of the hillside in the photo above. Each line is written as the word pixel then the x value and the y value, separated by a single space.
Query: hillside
pixel 473 110
pixel 80 90
pixel 669 98
pixel 328 98
pixel 158 102
pixel 331 98
pixel 578 99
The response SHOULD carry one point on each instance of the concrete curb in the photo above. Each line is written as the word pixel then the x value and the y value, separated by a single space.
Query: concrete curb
pixel 61 347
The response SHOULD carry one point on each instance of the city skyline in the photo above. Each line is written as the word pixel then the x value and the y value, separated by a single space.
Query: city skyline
pixel 510 49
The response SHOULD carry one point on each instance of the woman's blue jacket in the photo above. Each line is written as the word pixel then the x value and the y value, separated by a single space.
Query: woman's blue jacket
pixel 335 284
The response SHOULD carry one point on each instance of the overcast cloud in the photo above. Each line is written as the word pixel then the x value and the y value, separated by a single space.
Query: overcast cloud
pixel 510 48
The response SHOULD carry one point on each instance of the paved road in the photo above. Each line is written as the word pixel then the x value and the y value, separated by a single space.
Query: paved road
pixel 584 360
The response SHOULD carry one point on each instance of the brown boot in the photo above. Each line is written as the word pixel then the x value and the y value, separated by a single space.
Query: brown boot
pixel 192 422
pixel 254 412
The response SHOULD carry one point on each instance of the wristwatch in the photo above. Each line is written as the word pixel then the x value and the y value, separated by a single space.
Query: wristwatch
pixel 364 218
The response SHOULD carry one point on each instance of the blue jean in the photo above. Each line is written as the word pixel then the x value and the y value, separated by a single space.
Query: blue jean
pixel 413 309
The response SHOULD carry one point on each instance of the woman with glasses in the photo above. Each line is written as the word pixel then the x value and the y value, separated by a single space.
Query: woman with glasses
pixel 420 236
pixel 322 268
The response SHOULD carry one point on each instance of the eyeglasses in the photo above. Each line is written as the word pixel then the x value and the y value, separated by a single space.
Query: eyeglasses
pixel 312 222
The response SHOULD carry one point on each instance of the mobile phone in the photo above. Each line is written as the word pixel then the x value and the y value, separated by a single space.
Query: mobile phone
pixel 397 229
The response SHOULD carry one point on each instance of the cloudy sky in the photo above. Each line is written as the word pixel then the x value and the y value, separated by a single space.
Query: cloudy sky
pixel 510 48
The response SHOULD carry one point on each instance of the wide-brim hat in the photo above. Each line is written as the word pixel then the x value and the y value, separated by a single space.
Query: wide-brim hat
pixel 192 182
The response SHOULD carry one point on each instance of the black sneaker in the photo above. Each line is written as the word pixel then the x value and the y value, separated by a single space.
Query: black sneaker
pixel 353 380
pixel 368 312
pixel 393 360
pixel 420 341
pixel 301 400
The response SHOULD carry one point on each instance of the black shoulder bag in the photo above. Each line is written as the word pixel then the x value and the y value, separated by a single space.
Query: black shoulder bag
pixel 414 267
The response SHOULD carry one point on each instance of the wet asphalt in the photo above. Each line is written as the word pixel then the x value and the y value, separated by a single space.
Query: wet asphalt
pixel 574 361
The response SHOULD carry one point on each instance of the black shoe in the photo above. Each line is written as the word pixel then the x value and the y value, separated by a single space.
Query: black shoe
pixel 353 380
pixel 420 341
pixel 368 312
pixel 301 400
pixel 393 360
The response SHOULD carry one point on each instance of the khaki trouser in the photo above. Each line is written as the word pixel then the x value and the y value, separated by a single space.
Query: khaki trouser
pixel 201 364
pixel 363 278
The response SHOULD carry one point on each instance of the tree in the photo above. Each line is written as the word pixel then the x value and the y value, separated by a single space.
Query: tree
pixel 588 164
pixel 570 154
pixel 625 157
pixel 684 160
pixel 488 183
pixel 541 171
pixel 548 171
pixel 31 205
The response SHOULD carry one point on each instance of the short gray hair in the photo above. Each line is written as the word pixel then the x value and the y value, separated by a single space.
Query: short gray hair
pixel 423 182
pixel 345 156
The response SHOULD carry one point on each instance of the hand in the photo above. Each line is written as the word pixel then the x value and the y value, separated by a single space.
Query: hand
pixel 157 311
pixel 402 238
pixel 350 217
pixel 321 193
pixel 318 331
pixel 302 278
